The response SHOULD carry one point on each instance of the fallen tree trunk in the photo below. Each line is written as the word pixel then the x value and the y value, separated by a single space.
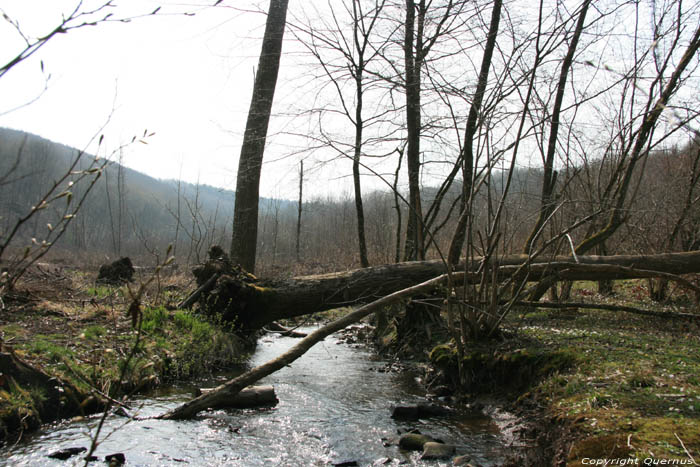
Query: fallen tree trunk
pixel 229 389
pixel 248 398
pixel 252 303
pixel 615 266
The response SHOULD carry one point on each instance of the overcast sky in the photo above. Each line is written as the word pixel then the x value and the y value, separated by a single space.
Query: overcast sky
pixel 186 78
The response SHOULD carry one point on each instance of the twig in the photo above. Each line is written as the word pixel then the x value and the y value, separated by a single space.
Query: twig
pixel 604 306
pixel 684 448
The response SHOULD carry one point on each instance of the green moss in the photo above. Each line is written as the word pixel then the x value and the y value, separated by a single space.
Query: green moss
pixel 443 355
pixel 13 331
pixel 635 380
pixel 94 332
pixel 502 370
pixel 599 447
pixel 46 347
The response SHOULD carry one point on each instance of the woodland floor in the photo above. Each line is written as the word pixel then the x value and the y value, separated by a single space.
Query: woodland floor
pixel 627 386
pixel 62 323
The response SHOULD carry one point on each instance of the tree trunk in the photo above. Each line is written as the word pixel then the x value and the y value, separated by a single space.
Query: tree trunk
pixel 252 303
pixel 414 246
pixel 357 153
pixel 248 398
pixel 245 216
pixel 460 233
pixel 549 177
pixel 299 208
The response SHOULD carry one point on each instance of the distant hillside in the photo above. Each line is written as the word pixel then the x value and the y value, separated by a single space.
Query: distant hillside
pixel 127 212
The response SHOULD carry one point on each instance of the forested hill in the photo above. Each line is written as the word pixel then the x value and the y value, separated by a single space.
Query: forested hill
pixel 126 212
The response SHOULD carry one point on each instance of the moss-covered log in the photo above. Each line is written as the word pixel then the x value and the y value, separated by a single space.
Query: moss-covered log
pixel 30 397
pixel 251 303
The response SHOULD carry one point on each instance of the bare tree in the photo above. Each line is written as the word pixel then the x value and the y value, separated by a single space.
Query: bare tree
pixel 467 159
pixel 245 217
pixel 549 175
pixel 67 194
pixel 344 54
pixel 301 199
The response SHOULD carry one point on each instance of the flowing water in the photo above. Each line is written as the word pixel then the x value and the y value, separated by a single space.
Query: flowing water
pixel 335 406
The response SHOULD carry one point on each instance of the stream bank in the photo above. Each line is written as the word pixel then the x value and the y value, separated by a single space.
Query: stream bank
pixel 584 384
pixel 335 409
pixel 68 329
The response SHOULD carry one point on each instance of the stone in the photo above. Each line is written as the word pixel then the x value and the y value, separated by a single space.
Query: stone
pixel 66 453
pixel 115 459
pixel 413 441
pixel 442 391
pixel 405 413
pixel 414 412
pixel 462 461
pixel 434 451
pixel 383 461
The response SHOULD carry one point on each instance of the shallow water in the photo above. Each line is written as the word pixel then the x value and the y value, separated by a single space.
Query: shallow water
pixel 335 406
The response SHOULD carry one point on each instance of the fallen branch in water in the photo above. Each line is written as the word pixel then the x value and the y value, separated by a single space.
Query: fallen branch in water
pixel 229 389
pixel 275 327
pixel 250 397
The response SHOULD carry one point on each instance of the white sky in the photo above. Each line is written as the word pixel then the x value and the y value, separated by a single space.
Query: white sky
pixel 187 78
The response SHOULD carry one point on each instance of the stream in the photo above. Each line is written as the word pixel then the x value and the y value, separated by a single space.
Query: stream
pixel 334 407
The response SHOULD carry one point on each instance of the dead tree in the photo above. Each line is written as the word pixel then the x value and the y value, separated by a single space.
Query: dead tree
pixel 251 303
pixel 230 389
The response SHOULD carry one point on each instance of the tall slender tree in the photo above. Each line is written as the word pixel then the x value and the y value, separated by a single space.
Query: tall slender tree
pixel 467 158
pixel 245 214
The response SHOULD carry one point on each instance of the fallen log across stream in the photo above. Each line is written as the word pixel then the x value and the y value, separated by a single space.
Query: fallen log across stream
pixel 593 267
pixel 251 303
pixel 230 389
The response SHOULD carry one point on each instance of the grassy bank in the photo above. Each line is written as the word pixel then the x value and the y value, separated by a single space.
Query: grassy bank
pixel 73 330
pixel 619 385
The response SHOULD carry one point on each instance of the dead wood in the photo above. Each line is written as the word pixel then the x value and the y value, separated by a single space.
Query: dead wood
pixel 606 306
pixel 314 293
pixel 283 331
pixel 194 296
pixel 251 303
pixel 248 398
pixel 229 389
